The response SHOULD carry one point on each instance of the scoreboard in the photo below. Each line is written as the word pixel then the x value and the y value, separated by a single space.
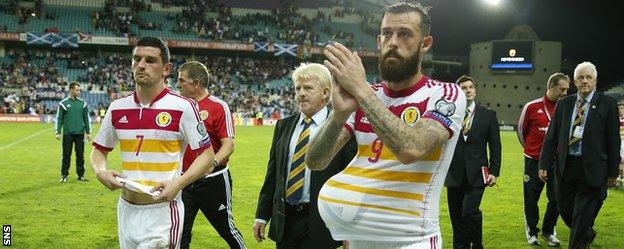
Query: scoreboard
pixel 512 56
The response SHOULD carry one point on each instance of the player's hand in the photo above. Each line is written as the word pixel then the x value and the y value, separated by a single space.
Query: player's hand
pixel 342 101
pixel 107 178
pixel 491 180
pixel 345 244
pixel 543 175
pixel 168 190
pixel 347 68
pixel 88 137
pixel 611 182
pixel 258 230
pixel 58 136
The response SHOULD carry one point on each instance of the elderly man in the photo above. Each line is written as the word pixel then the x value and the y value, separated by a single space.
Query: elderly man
pixel 288 198
pixel 584 137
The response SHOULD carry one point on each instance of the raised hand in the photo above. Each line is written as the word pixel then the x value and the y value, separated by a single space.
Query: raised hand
pixel 347 68
pixel 342 101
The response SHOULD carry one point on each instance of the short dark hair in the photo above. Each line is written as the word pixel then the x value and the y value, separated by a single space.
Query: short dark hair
pixel 73 85
pixel 150 41
pixel 554 79
pixel 465 78
pixel 404 7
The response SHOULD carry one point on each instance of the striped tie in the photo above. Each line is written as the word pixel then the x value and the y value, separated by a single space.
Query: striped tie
pixel 466 122
pixel 297 166
pixel 578 121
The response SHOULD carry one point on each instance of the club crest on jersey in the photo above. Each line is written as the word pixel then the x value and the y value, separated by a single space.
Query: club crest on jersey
pixel 445 108
pixel 203 114
pixel 410 115
pixel 163 119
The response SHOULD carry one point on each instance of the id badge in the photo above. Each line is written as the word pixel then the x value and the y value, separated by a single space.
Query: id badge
pixel 578 132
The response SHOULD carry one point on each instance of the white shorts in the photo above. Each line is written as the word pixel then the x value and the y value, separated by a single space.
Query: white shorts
pixel 433 242
pixel 149 226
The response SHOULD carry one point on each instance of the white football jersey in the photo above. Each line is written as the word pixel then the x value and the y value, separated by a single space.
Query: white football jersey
pixel 377 197
pixel 152 138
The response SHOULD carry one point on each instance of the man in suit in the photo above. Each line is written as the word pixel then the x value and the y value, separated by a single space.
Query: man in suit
pixel 583 137
pixel 466 179
pixel 288 198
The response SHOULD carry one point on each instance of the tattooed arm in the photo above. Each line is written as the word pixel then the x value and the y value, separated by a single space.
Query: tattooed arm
pixel 409 144
pixel 331 137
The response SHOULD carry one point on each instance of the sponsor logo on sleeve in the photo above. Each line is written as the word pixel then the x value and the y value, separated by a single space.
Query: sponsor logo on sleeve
pixel 446 121
pixel 204 142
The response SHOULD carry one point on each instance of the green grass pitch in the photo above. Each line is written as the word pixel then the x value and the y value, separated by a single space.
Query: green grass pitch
pixel 46 214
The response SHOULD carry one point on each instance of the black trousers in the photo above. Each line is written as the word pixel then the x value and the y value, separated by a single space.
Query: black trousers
pixel 579 203
pixel 533 187
pixel 213 196
pixel 466 217
pixel 296 232
pixel 68 142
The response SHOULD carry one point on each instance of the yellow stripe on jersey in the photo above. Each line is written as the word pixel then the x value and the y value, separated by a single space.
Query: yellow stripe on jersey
pixel 147 182
pixel 149 166
pixel 384 208
pixel 366 150
pixel 374 191
pixel 150 145
pixel 388 175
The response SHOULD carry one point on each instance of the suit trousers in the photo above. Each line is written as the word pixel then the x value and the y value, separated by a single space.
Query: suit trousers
pixel 578 202
pixel 76 141
pixel 466 217
pixel 533 187
pixel 296 231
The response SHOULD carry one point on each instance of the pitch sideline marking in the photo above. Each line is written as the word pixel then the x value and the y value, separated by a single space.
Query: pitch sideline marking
pixel 24 139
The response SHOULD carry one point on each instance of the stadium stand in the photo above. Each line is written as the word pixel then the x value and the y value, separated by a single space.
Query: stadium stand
pixel 35 78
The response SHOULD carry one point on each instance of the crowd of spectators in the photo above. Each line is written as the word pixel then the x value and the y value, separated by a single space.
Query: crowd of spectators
pixel 241 82
pixel 119 15
pixel 233 80
pixel 285 24
pixel 23 102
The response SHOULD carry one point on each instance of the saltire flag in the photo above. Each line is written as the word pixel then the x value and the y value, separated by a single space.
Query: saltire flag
pixel 261 47
pixel 38 38
pixel 65 40
pixel 285 49
pixel 55 40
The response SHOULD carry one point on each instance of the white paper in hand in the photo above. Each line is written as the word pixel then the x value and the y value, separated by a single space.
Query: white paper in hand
pixel 137 187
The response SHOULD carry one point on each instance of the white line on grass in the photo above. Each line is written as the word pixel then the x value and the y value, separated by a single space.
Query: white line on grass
pixel 24 139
